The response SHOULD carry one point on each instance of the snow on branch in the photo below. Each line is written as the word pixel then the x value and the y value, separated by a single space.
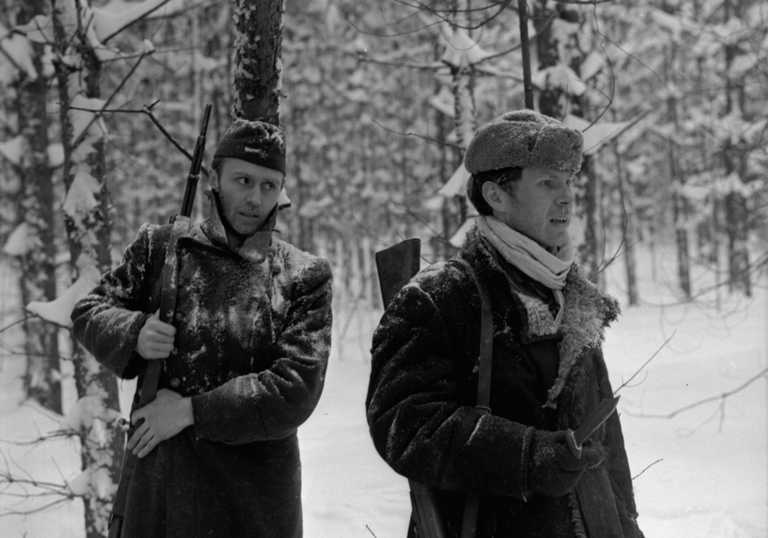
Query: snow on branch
pixel 18 51
pixel 22 240
pixel 460 49
pixel 58 311
pixel 12 149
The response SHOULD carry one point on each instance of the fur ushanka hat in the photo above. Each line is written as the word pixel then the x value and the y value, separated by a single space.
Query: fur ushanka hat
pixel 524 139
pixel 254 141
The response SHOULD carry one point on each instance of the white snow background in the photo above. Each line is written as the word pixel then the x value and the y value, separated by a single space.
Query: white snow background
pixel 701 474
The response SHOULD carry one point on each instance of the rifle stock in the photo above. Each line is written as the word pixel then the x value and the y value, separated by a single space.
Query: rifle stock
pixel 396 266
pixel 151 380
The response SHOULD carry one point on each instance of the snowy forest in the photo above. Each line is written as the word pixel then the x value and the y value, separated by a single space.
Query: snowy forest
pixel 101 102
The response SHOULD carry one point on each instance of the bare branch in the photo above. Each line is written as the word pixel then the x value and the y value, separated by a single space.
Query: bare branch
pixel 429 140
pixel 134 21
pixel 644 364
pixel 648 467
pixel 147 109
pixel 721 398
pixel 84 132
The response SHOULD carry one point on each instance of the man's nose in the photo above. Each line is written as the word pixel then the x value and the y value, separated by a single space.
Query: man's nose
pixel 253 197
pixel 565 195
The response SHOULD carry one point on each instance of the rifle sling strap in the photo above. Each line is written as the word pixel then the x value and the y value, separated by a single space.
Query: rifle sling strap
pixel 472 503
pixel 151 380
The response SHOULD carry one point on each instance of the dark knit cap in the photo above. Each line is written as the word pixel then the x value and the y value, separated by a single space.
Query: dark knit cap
pixel 254 141
pixel 524 139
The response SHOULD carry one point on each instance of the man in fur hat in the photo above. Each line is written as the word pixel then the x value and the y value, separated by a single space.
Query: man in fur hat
pixel 548 371
pixel 245 357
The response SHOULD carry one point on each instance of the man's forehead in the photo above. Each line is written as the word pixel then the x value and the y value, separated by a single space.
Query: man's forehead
pixel 241 167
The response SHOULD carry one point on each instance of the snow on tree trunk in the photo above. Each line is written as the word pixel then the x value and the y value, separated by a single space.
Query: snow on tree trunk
pixel 258 67
pixel 550 97
pixel 78 72
pixel 561 34
pixel 461 53
pixel 42 380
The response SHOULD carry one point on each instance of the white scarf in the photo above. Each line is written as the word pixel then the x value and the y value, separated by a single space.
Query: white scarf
pixel 528 256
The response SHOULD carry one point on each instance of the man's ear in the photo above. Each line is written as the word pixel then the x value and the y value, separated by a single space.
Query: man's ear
pixel 213 179
pixel 494 196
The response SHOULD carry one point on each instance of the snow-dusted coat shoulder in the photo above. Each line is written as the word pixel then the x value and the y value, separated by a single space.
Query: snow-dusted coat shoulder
pixel 423 389
pixel 251 350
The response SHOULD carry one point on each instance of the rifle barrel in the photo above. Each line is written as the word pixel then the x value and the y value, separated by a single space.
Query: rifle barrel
pixel 194 170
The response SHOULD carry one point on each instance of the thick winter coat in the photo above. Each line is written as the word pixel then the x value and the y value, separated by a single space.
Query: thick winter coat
pixel 423 390
pixel 251 350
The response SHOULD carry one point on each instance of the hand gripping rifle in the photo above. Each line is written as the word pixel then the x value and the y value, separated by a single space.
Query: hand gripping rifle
pixel 151 381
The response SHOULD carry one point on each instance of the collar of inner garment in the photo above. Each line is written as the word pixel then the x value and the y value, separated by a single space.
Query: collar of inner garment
pixel 256 246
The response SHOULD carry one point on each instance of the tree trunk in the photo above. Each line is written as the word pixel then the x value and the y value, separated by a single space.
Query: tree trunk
pixel 736 212
pixel 258 67
pixel 550 98
pixel 38 275
pixel 589 250
pixel 677 177
pixel 628 231
pixel 88 234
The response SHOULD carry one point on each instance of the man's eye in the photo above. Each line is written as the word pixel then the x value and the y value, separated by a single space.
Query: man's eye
pixel 268 186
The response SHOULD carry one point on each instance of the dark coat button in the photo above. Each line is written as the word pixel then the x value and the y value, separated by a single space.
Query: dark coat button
pixel 175 383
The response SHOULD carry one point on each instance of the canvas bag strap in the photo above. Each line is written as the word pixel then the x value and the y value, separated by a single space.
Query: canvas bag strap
pixel 472 502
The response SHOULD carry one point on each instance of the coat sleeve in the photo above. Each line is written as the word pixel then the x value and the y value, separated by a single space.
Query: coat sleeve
pixel 417 423
pixel 617 461
pixel 273 403
pixel 107 321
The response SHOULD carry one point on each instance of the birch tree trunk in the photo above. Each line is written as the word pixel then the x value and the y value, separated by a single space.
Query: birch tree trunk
pixel 552 102
pixel 78 73
pixel 42 381
pixel 258 66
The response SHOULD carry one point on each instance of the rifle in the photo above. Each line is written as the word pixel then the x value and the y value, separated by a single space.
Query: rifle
pixel 396 265
pixel 151 381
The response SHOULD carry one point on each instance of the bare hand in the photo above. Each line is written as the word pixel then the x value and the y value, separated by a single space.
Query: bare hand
pixel 155 339
pixel 164 417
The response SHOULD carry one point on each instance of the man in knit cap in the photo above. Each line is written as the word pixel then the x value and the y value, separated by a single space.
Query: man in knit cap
pixel 547 324
pixel 245 358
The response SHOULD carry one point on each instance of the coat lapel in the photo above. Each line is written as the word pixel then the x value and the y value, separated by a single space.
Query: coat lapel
pixel 587 311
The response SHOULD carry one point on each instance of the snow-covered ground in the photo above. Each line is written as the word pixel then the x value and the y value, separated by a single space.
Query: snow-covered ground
pixel 702 473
